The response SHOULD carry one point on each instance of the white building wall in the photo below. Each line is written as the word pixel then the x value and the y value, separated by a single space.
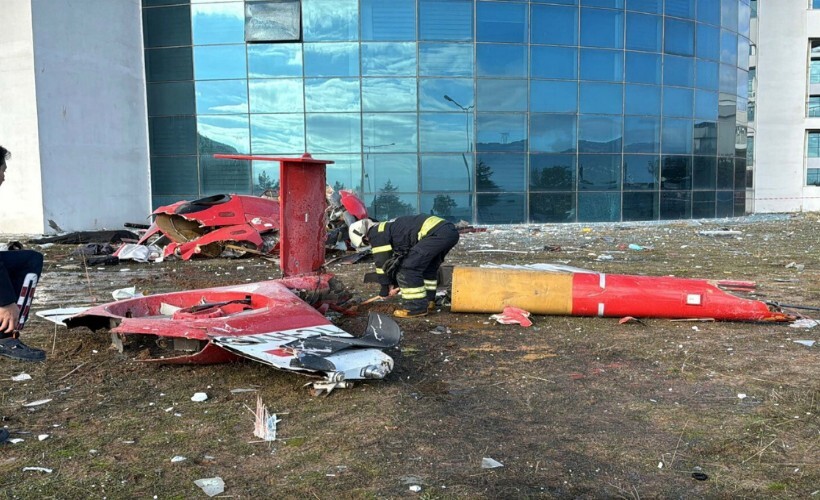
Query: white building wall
pixel 21 201
pixel 91 108
pixel 784 30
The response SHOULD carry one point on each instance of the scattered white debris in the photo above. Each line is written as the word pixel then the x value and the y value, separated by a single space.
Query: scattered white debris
pixel 722 232
pixel 264 426
pixel 415 488
pixel 16 440
pixel 212 486
pixel 807 343
pixel 804 323
pixel 489 463
pixel 178 458
pixel 199 397
pixel 37 469
pixel 21 377
pixel 241 390
pixel 42 437
pixel 36 403
pixel 740 395
pixel 168 309
pixel 126 293
pixel 660 465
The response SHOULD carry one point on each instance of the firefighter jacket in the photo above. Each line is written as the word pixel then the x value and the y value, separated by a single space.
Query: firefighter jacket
pixel 395 238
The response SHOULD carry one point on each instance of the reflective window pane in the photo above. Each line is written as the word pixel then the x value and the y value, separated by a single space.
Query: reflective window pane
pixel 389 133
pixel 167 99
pixel 704 173
pixel 554 25
pixel 708 11
pixel 650 6
pixel 551 172
pixel 552 207
pixel 553 97
pixel 642 172
pixel 677 136
pixel 219 62
pixel 224 176
pixel 642 100
pixel 388 94
pixel 502 95
pixel 332 94
pixel 705 137
pixel 446 59
pixel 642 134
pixel 678 71
pixel 389 59
pixel 449 206
pixel 165 65
pixel 643 68
pixel 605 65
pixel 333 133
pixel 677 102
pixel 708 42
pixel 707 75
pixel 552 133
pixel 728 47
pixel 501 22
pixel 385 173
pixel 218 23
pixel 446 132
pixel 223 134
pixel 599 207
pixel 501 132
pixel 679 37
pixel 641 206
pixel 275 96
pixel 446 20
pixel 273 21
pixel 346 173
pixel 554 62
pixel 387 205
pixel 706 105
pixel 278 134
pixel 222 97
pixel 173 135
pixel 703 204
pixel 602 28
pixel 446 94
pixel 501 60
pixel 330 20
pixel 268 60
pixel 599 172
pixel 331 59
pixel 680 8
pixel 447 172
pixel 394 20
pixel 676 173
pixel 172 175
pixel 612 4
pixel 643 32
pixel 603 98
pixel 167 27
pixel 728 14
pixel 676 205
pixel 500 208
pixel 500 172
pixel 599 134
pixel 728 78
pixel 264 176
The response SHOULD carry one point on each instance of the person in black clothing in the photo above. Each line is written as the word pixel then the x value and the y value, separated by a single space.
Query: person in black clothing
pixel 408 252
pixel 14 266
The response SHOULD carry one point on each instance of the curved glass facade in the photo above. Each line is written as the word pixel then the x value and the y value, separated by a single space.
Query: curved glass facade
pixel 486 111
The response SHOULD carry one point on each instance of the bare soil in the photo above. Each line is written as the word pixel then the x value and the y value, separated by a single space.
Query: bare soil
pixel 572 407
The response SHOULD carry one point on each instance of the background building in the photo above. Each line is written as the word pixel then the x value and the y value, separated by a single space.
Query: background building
pixel 786 91
pixel 488 111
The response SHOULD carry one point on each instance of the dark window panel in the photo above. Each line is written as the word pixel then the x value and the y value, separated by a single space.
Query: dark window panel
pixel 552 133
pixel 678 71
pixel 676 173
pixel 552 172
pixel 680 8
pixel 501 172
pixel 600 134
pixel 650 6
pixel 641 172
pixel 642 134
pixel 501 22
pixel 641 206
pixel 677 136
pixel 725 174
pixel 167 99
pixel 679 37
pixel 501 132
pixel 446 20
pixel 708 11
pixel 172 135
pixel 599 207
pixel 501 208
pixel 740 173
pixel 394 20
pixel 159 3
pixel 602 28
pixel 174 175
pixel 276 21
pixel 612 4
pixel 167 65
pixel 554 25
pixel 599 172
pixel 552 207
pixel 703 204
pixel 740 203
pixel 167 26
pixel 676 205
pixel 705 137
pixel 224 176
pixel 724 204
pixel 450 206
pixel 501 60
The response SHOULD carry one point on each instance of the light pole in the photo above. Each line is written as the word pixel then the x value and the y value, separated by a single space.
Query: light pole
pixel 467 136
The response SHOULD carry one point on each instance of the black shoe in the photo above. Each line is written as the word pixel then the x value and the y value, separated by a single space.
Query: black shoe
pixel 4 434
pixel 14 349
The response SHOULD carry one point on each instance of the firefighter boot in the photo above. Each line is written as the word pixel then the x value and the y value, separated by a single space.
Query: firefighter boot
pixel 412 309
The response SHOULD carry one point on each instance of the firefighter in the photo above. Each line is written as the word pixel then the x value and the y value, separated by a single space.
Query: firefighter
pixel 408 252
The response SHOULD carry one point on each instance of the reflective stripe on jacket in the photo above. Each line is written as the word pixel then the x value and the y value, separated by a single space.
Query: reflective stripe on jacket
pixel 398 235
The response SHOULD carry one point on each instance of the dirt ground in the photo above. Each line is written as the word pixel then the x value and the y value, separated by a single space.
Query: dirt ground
pixel 572 407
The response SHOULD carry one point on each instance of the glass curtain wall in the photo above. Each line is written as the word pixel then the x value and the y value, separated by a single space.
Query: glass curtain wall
pixel 488 111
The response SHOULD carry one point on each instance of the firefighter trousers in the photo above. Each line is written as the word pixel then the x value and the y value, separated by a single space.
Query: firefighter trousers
pixel 417 276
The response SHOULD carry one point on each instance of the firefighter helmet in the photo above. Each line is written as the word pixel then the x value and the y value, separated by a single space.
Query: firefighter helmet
pixel 358 231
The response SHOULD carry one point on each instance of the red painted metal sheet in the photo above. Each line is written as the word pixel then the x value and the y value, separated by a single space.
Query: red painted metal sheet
pixel 616 295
